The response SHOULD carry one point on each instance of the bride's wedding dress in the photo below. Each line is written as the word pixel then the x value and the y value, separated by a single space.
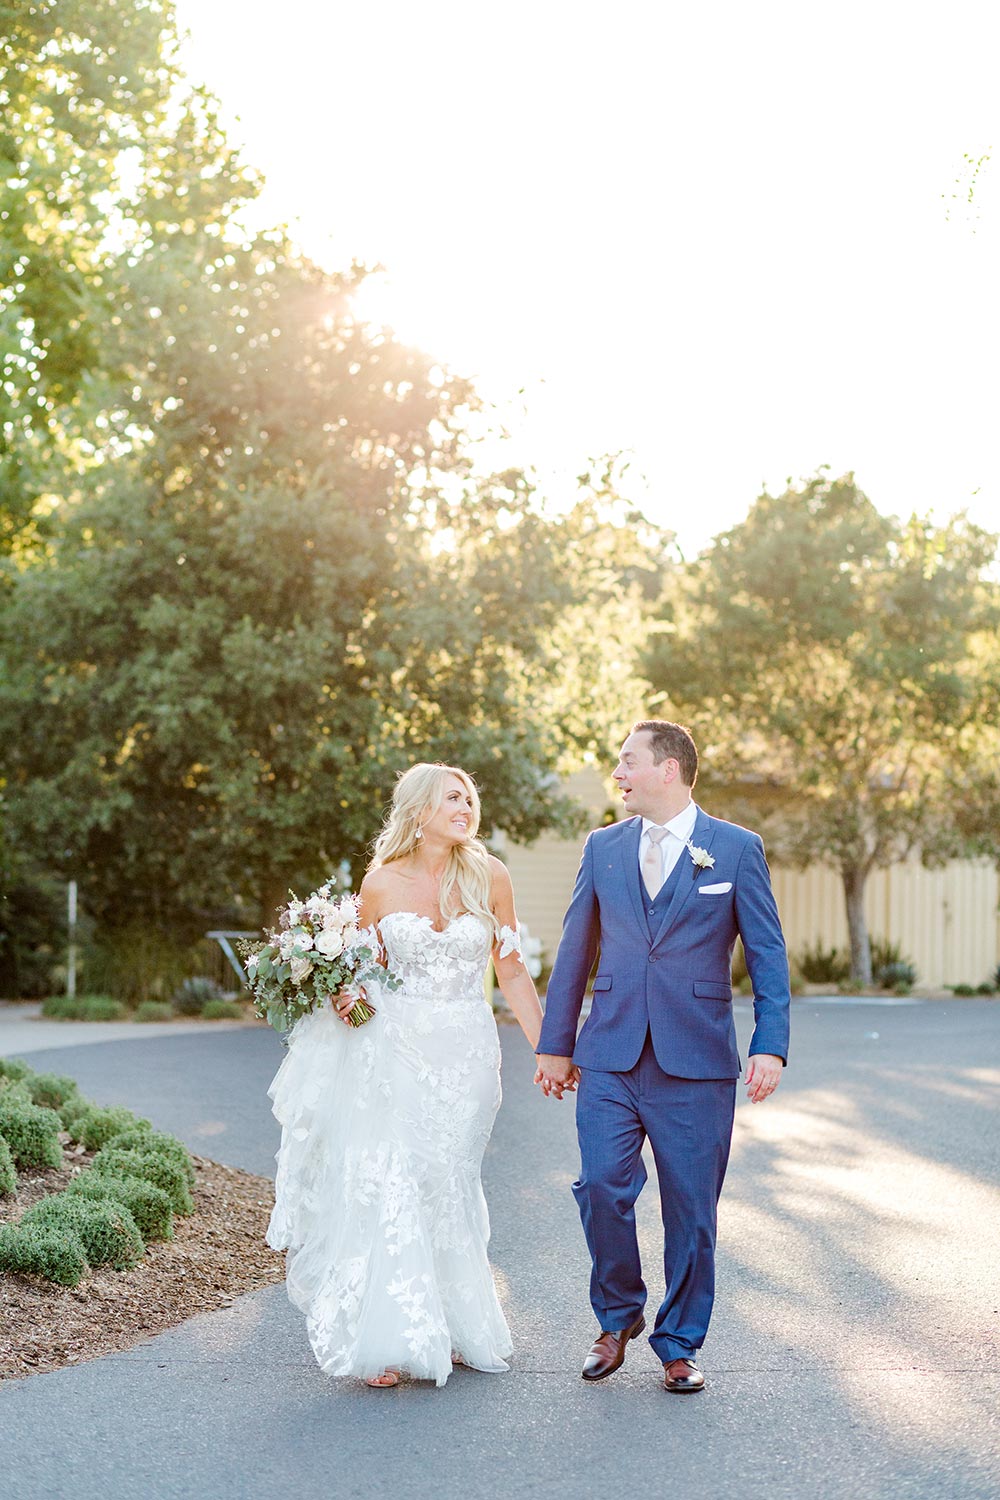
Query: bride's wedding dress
pixel 378 1198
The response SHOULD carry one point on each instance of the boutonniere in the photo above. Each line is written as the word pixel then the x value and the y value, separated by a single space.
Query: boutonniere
pixel 701 858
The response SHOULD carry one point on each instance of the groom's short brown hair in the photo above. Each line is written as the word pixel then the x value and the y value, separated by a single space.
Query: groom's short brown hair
pixel 673 740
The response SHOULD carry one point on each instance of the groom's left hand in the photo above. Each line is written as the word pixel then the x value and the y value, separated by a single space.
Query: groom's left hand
pixel 763 1075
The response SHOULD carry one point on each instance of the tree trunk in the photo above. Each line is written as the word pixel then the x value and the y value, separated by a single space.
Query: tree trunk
pixel 855 878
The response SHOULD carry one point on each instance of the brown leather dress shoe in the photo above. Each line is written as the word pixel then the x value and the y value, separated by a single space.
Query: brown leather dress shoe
pixel 683 1377
pixel 608 1353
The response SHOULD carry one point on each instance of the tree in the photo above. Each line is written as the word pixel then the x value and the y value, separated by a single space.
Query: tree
pixel 841 671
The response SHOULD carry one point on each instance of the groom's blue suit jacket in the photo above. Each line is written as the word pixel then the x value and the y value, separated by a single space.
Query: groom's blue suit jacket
pixel 671 975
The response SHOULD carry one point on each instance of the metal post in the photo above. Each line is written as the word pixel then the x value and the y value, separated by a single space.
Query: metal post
pixel 71 965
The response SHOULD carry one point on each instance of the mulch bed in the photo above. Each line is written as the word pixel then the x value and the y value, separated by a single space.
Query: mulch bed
pixel 217 1253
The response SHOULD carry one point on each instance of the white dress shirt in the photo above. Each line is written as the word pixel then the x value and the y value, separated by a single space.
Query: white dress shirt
pixel 679 830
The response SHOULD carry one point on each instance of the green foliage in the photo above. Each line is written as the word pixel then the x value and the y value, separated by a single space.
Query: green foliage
pixel 155 1166
pixel 841 670
pixel 149 1205
pixel 987 988
pixel 73 1113
pixel 104 1227
pixel 819 965
pixel 899 977
pixel 194 994
pixel 41 1250
pixel 83 1008
pixel 142 1138
pixel 222 1010
pixel 14 1069
pixel 962 991
pixel 258 579
pixel 8 1173
pixel 32 1133
pixel 51 1090
pixel 153 1010
pixel 99 1126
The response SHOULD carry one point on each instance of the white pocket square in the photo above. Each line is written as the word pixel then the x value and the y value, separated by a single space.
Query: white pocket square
pixel 715 890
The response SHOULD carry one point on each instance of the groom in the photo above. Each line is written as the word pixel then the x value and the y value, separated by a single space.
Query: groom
pixel 661 898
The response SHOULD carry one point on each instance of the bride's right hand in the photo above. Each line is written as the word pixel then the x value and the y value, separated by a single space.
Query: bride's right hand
pixel 345 1001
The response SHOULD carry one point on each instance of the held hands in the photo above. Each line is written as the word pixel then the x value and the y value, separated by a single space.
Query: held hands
pixel 556 1075
pixel 763 1075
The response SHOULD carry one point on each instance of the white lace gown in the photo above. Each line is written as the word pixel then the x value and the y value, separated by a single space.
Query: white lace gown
pixel 378 1199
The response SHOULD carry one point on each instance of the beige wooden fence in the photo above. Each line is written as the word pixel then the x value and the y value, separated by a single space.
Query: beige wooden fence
pixel 945 921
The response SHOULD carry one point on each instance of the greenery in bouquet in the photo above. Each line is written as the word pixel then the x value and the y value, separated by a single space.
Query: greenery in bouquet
pixel 318 950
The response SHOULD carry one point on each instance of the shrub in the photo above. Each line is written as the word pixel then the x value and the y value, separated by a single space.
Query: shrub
pixel 8 1176
pixel 51 1090
pixel 819 965
pixel 222 1010
pixel 99 1126
pixel 154 1010
pixel 83 1008
pixel 32 1133
pixel 962 990
pixel 36 1250
pixel 897 975
pixel 148 1204
pixel 73 1113
pixel 105 1228
pixel 996 977
pixel 14 1069
pixel 142 1138
pixel 985 989
pixel 155 1167
pixel 194 994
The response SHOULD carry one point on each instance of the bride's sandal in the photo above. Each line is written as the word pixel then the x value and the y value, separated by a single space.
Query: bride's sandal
pixel 384 1381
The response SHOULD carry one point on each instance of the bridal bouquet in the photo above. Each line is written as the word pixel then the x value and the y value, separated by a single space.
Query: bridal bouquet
pixel 319 950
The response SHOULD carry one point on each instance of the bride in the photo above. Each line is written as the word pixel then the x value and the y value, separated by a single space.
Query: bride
pixel 378 1199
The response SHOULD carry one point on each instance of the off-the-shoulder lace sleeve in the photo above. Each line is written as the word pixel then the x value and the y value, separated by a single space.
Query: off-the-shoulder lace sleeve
pixel 510 942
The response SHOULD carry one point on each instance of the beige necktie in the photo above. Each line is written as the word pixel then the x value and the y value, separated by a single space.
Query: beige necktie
pixel 652 862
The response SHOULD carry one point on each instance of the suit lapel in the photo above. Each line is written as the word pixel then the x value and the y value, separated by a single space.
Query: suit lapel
pixel 632 833
pixel 702 835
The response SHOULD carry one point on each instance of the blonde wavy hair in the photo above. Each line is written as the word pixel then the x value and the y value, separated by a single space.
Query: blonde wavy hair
pixel 466 884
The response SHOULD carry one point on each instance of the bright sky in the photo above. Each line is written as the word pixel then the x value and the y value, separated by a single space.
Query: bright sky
pixel 730 238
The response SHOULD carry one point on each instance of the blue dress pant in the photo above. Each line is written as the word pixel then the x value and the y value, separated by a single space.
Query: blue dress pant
pixel 689 1124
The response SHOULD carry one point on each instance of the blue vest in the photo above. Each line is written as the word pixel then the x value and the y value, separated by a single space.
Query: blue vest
pixel 655 909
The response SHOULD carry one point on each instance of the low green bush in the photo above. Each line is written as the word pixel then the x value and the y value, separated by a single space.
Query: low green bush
pixel 83 1008
pixel 73 1113
pixel 897 975
pixel 962 990
pixel 51 1090
pixel 155 1166
pixel 222 1010
pixel 99 1126
pixel 194 994
pixel 143 1138
pixel 148 1204
pixel 104 1227
pixel 986 989
pixel 32 1133
pixel 14 1069
pixel 39 1250
pixel 8 1176
pixel 153 1010
pixel 819 965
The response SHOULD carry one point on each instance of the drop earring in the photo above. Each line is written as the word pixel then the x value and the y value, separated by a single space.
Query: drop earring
pixel 419 834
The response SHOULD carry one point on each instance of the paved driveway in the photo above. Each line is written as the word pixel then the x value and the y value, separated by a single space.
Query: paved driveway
pixel 853 1352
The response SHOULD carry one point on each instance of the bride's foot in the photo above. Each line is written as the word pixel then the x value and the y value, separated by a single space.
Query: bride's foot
pixel 387 1378
pixel 456 1358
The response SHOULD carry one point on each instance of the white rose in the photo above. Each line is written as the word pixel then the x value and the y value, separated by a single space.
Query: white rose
pixel 330 944
pixel 304 941
pixel 301 968
pixel 351 936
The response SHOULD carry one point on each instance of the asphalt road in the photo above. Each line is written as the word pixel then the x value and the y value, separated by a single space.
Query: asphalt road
pixel 854 1349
